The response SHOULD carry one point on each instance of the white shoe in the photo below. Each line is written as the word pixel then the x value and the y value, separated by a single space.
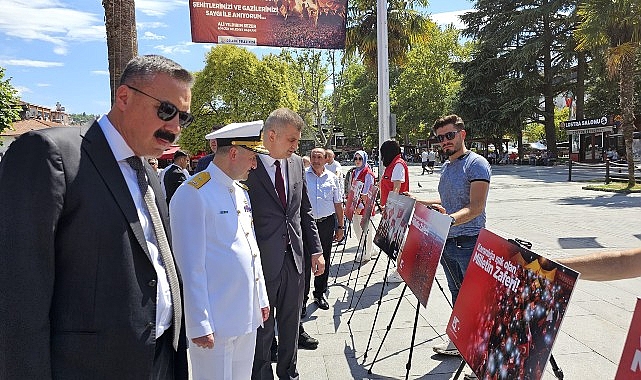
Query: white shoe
pixel 362 259
pixel 394 277
pixel 447 348
pixel 470 376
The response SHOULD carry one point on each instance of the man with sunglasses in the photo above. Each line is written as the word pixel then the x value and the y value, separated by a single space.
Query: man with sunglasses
pixel 86 270
pixel 463 189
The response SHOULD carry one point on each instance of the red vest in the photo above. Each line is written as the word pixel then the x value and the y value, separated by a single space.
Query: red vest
pixel 386 182
pixel 361 178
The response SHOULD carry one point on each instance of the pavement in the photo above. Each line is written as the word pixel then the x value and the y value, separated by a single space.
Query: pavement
pixel 533 203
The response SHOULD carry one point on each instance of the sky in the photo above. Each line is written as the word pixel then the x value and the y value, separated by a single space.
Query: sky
pixel 56 50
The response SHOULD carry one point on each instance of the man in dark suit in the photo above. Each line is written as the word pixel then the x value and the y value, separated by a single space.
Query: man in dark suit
pixel 204 161
pixel 282 219
pixel 89 285
pixel 176 173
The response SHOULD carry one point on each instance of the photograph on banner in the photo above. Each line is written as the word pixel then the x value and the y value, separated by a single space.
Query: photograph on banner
pixel 318 24
pixel 353 199
pixel 394 223
pixel 509 309
pixel 368 209
pixel 422 250
pixel 630 363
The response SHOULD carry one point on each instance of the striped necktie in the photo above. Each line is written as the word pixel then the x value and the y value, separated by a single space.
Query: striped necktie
pixel 163 244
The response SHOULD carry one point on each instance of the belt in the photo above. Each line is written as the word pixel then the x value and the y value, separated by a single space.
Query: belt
pixel 463 238
pixel 323 218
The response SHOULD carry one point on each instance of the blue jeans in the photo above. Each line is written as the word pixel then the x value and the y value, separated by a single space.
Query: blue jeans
pixel 456 256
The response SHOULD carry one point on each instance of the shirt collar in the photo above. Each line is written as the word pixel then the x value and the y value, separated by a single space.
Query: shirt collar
pixel 220 176
pixel 116 142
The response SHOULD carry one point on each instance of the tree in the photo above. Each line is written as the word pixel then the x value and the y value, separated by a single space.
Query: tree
pixel 310 75
pixel 531 38
pixel 405 27
pixel 122 39
pixel 427 83
pixel 236 86
pixel 356 108
pixel 614 27
pixel 9 111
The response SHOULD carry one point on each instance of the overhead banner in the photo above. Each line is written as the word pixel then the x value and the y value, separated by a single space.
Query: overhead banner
pixel 509 309
pixel 318 24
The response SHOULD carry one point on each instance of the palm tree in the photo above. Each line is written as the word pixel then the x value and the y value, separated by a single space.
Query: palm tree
pixel 614 26
pixel 405 27
pixel 122 41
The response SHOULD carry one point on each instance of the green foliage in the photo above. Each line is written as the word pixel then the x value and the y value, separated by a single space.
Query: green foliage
pixel 310 73
pixel 427 83
pixel 82 118
pixel 356 110
pixel 405 26
pixel 614 27
pixel 524 46
pixel 236 86
pixel 9 110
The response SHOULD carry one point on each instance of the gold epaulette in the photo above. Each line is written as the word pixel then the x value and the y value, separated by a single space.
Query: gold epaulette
pixel 200 179
pixel 242 186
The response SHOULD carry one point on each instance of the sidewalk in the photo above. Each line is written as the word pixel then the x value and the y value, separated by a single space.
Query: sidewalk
pixel 536 204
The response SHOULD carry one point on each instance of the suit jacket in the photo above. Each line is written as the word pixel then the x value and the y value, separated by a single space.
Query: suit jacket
pixel 174 177
pixel 78 297
pixel 203 162
pixel 268 211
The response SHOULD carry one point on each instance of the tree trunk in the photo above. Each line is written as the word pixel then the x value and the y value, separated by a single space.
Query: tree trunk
pixel 579 95
pixel 122 42
pixel 548 90
pixel 626 102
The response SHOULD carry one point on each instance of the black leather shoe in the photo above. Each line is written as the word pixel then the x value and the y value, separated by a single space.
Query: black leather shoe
pixel 303 312
pixel 306 342
pixel 321 302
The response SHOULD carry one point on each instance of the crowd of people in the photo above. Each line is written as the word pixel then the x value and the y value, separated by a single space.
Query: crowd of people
pixel 99 282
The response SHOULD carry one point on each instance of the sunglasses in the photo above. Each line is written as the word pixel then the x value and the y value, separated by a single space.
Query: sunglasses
pixel 167 111
pixel 448 135
pixel 358 158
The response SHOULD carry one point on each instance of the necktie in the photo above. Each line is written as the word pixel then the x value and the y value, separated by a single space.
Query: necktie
pixel 163 244
pixel 280 185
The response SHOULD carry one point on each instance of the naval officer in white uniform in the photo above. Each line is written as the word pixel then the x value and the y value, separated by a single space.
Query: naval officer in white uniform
pixel 216 250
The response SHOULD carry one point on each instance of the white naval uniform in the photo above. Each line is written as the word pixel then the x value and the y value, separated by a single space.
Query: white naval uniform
pixel 218 257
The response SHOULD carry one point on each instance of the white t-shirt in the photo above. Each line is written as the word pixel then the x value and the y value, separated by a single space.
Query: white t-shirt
pixel 424 156
pixel 398 173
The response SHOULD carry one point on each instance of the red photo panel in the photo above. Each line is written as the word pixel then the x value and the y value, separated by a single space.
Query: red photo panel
pixel 509 309
pixel 422 250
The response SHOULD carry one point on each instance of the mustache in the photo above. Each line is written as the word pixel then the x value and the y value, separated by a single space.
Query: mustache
pixel 165 135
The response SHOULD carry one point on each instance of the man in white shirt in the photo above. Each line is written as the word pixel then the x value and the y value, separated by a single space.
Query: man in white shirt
pixel 327 208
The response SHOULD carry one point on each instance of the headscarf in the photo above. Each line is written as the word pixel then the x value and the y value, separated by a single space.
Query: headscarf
pixel 364 162
pixel 389 150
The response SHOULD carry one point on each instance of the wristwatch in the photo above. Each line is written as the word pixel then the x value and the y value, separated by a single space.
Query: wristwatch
pixel 340 228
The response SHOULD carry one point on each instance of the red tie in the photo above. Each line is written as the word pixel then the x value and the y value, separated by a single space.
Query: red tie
pixel 280 185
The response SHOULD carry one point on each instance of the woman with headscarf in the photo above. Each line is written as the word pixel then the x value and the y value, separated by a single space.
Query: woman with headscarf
pixel 395 179
pixel 362 173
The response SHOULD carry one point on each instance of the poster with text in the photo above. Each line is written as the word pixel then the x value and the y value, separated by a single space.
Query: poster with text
pixel 509 309
pixel 318 24
pixel 353 199
pixel 422 250
pixel 368 210
pixel 394 223
pixel 630 363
